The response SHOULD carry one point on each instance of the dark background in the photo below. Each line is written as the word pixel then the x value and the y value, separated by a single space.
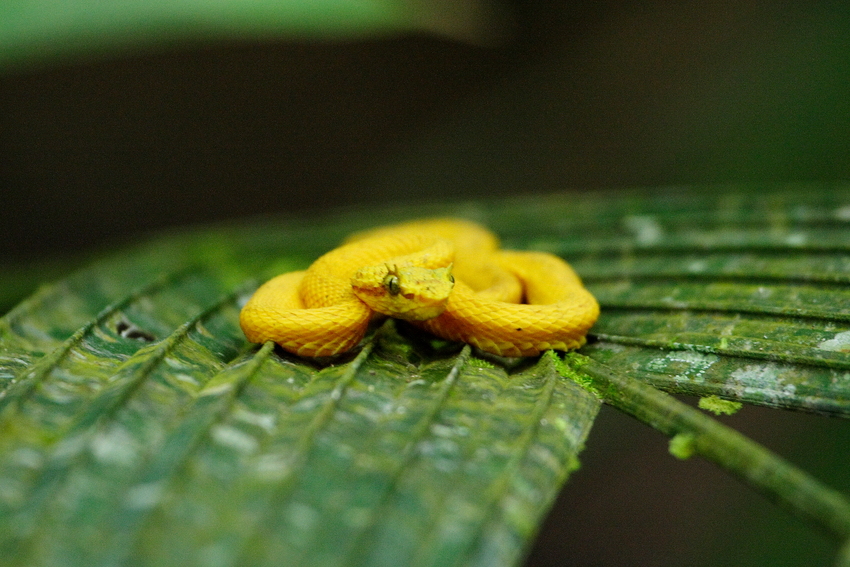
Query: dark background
pixel 583 95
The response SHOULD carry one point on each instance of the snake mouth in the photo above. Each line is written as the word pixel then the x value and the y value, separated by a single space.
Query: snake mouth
pixel 422 309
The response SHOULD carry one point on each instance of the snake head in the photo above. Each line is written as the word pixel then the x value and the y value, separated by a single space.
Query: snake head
pixel 404 292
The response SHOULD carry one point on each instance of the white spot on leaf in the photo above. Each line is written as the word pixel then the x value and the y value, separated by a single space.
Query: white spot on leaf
pixel 645 228
pixel 234 438
pixel 839 343
pixel 843 213
pixel 114 446
pixel 684 365
pixel 145 496
pixel 796 239
pixel 697 266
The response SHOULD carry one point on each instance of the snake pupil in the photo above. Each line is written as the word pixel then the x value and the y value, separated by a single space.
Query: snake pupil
pixel 391 283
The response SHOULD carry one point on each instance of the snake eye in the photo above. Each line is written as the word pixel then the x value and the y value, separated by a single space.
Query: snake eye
pixel 451 278
pixel 391 283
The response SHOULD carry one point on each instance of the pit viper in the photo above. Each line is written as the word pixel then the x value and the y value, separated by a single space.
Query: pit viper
pixel 446 276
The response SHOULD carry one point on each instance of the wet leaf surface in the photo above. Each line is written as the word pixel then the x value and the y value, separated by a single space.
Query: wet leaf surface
pixel 137 426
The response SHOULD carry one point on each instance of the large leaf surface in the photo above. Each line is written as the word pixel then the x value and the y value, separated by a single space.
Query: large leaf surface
pixel 137 426
pixel 740 293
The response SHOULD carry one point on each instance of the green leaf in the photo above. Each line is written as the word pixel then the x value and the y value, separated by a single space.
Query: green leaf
pixel 740 293
pixel 693 432
pixel 137 426
pixel 32 30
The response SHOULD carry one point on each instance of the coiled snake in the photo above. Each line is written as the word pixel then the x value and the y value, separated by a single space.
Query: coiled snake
pixel 447 276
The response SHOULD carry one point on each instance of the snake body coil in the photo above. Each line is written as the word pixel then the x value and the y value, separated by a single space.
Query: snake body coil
pixel 447 276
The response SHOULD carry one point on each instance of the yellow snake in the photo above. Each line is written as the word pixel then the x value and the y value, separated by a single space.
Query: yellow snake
pixel 447 276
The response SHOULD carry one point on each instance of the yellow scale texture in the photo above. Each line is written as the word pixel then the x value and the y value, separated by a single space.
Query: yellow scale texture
pixel 316 312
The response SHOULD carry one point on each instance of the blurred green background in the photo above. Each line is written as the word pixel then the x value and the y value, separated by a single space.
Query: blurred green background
pixel 553 96
pixel 535 97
